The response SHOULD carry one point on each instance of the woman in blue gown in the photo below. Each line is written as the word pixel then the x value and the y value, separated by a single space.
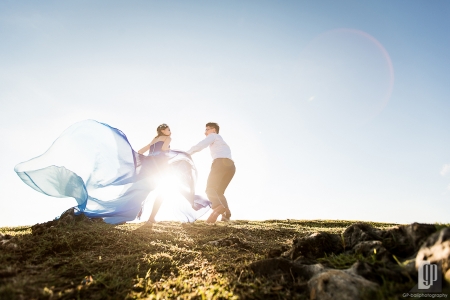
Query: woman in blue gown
pixel 159 146
pixel 95 164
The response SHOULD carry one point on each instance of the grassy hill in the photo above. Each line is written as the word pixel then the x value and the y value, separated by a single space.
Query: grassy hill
pixel 169 260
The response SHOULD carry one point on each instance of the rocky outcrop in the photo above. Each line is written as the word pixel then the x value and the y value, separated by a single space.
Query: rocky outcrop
pixel 315 246
pixel 379 272
pixel 338 284
pixel 402 240
pixel 436 249
pixel 360 232
pixel 382 251
pixel 273 266
pixel 374 249
pixel 323 283
pixel 405 240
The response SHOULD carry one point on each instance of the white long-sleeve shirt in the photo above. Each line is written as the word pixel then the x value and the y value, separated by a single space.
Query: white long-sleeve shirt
pixel 217 146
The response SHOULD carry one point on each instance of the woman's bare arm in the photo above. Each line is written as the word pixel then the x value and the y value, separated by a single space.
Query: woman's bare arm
pixel 146 148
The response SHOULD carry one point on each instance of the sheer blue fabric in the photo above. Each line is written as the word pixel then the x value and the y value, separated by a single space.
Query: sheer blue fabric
pixel 95 164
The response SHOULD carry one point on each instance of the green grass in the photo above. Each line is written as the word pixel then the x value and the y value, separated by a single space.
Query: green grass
pixel 167 261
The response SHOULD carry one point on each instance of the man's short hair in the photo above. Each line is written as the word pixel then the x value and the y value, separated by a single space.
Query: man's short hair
pixel 213 125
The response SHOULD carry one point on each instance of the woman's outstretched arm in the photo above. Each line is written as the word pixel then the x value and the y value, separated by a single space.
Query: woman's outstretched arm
pixel 144 149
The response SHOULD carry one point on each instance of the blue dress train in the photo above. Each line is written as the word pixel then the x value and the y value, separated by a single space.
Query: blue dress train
pixel 95 164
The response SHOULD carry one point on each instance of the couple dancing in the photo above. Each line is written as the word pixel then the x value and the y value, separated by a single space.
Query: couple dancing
pixel 222 168
pixel 95 164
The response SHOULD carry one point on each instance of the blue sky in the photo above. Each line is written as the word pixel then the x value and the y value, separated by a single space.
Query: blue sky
pixel 333 109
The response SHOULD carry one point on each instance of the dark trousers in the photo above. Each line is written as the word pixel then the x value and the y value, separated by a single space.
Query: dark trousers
pixel 222 171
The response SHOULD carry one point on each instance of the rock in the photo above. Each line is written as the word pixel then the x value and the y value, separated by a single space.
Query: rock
pixel 277 252
pixel 380 272
pixel 305 261
pixel 405 240
pixel 365 270
pixel 338 284
pixel 373 248
pixel 274 266
pixel 410 267
pixel 269 266
pixel 362 279
pixel 436 249
pixel 360 232
pixel 315 246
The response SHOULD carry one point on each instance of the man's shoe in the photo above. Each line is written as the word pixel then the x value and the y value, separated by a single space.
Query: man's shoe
pixel 215 214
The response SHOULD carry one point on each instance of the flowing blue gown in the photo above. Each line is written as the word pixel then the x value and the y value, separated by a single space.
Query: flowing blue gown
pixel 95 164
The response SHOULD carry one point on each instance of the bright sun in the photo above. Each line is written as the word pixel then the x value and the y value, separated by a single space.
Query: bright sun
pixel 168 187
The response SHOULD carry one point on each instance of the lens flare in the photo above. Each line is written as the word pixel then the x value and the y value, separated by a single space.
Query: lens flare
pixel 346 78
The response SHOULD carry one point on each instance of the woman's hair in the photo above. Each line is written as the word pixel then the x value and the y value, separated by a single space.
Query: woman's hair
pixel 213 125
pixel 160 128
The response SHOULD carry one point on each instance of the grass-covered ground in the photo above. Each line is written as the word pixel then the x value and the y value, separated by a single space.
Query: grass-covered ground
pixel 93 260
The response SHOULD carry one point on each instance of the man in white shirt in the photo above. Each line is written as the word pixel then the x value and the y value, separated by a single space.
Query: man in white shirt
pixel 222 171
